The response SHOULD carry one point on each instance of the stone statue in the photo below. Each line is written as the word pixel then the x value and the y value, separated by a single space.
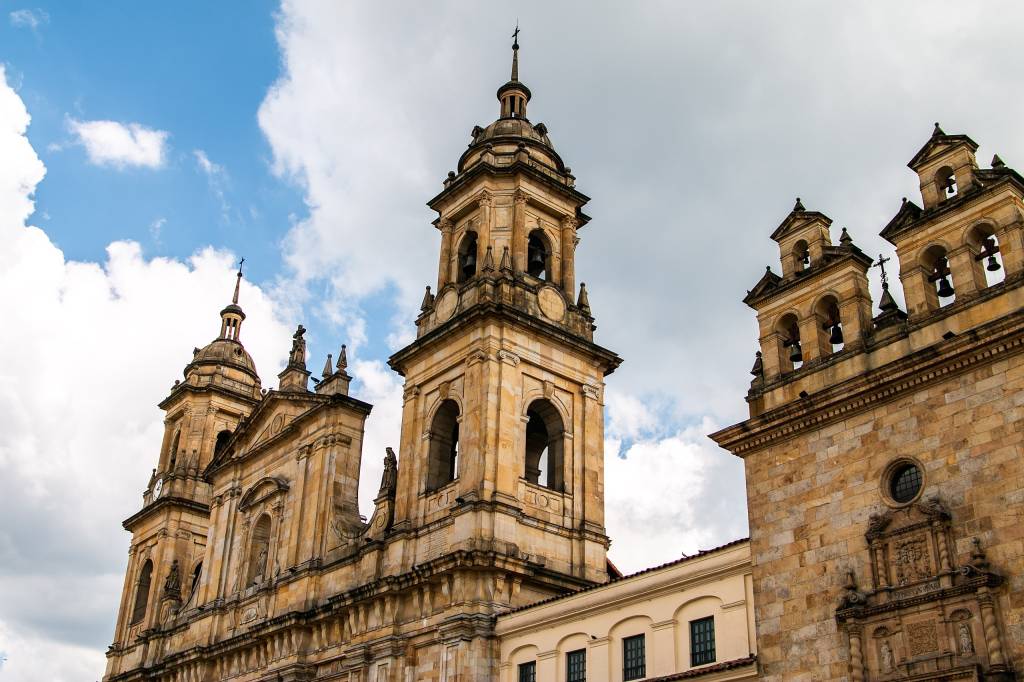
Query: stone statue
pixel 964 639
pixel 297 357
pixel 888 664
pixel 261 564
pixel 172 584
pixel 389 478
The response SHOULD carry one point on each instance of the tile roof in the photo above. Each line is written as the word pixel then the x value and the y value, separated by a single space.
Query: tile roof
pixel 698 555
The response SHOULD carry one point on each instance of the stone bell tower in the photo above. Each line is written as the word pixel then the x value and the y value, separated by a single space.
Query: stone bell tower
pixel 884 454
pixel 502 425
pixel 169 533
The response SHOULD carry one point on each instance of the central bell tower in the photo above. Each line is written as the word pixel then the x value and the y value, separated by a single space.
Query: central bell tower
pixel 503 416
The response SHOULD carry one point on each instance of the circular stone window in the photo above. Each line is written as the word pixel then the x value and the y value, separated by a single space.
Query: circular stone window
pixel 904 481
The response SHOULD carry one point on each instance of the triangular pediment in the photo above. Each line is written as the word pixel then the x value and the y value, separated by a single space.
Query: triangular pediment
pixel 940 144
pixel 798 221
pixel 908 213
pixel 272 417
pixel 768 283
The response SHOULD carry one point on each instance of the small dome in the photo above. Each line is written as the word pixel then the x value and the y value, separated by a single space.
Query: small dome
pixel 233 308
pixel 505 135
pixel 224 352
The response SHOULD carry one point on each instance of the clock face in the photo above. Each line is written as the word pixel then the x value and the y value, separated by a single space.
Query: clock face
pixel 158 488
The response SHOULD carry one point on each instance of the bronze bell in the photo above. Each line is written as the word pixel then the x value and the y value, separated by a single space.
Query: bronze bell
pixel 993 264
pixel 945 288
pixel 795 355
pixel 835 337
pixel 807 258
pixel 535 266
pixel 469 265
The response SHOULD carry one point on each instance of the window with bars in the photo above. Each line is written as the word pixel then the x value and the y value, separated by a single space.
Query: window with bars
pixel 576 666
pixel 702 641
pixel 528 672
pixel 634 659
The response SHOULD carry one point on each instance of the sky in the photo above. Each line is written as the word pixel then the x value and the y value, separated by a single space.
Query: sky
pixel 144 149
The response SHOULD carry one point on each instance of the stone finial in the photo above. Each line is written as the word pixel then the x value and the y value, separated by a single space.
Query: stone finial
pixel 389 479
pixel 489 259
pixel 798 206
pixel 343 357
pixel 937 131
pixel 845 239
pixel 328 367
pixel 887 303
pixel 978 559
pixel 997 162
pixel 583 302
pixel 506 260
pixel 428 301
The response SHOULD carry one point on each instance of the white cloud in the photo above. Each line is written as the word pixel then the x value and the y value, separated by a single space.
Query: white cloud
pixel 89 348
pixel 111 143
pixel 29 18
pixel 216 178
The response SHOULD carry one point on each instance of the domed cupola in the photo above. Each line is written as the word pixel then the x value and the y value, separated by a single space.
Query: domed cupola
pixel 512 134
pixel 224 362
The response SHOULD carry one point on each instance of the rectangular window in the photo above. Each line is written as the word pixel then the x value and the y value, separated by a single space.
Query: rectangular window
pixel 702 641
pixel 634 658
pixel 528 672
pixel 576 666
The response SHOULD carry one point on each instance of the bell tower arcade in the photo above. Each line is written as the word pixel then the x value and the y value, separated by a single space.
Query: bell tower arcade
pixel 503 416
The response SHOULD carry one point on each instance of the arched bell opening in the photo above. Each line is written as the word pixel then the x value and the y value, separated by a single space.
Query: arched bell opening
pixel 443 456
pixel 142 592
pixel 988 260
pixel 259 551
pixel 830 324
pixel 936 264
pixel 544 462
pixel 197 572
pixel 467 257
pixel 791 355
pixel 222 440
pixel 538 255
pixel 945 183
pixel 800 256
pixel 172 452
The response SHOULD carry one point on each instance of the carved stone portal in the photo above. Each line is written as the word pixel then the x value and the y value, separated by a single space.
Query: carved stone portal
pixel 922 618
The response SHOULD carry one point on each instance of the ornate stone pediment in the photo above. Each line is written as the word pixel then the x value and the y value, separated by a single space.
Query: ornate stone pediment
pixel 922 618
pixel 265 488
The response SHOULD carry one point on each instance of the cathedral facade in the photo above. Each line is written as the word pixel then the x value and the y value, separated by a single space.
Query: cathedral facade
pixel 883 453
pixel 249 559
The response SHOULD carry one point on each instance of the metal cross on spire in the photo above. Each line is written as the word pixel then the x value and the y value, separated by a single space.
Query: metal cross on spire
pixel 880 264
pixel 240 265
pixel 515 37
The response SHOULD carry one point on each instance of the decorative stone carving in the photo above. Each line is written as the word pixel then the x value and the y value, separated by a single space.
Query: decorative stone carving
pixel 551 303
pixel 445 304
pixel 172 583
pixel 508 357
pixel 921 621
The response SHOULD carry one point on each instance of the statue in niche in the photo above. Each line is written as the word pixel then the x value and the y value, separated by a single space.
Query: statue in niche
pixel 886 658
pixel 261 565
pixel 965 643
pixel 297 356
pixel 389 478
pixel 172 584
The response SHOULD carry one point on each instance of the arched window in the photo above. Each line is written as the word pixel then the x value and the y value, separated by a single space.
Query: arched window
pixel 937 264
pixel 801 256
pixel 222 440
pixel 989 262
pixel 791 356
pixel 538 255
pixel 945 183
pixel 827 311
pixel 142 592
pixel 172 454
pixel 196 573
pixel 467 257
pixel 443 458
pixel 259 551
pixel 544 462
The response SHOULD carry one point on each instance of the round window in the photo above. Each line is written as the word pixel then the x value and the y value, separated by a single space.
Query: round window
pixel 905 482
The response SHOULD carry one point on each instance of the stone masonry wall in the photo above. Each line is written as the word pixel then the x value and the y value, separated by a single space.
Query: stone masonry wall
pixel 810 498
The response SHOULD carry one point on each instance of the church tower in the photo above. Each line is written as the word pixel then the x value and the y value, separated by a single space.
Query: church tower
pixel 884 454
pixel 169 533
pixel 502 425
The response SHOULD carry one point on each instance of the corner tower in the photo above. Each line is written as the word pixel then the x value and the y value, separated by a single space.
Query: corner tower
pixel 502 425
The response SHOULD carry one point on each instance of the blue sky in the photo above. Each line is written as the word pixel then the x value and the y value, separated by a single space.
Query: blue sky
pixel 197 70
pixel 307 136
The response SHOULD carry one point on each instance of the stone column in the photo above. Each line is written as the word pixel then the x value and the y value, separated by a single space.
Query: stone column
pixel 919 293
pixel 988 621
pixel 519 232
pixel 483 202
pixel 856 653
pixel 569 224
pixel 444 266
pixel 1011 247
pixel 968 275
pixel 813 339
